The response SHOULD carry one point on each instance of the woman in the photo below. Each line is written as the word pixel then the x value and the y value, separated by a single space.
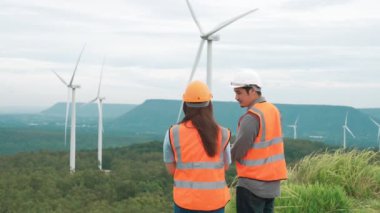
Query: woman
pixel 197 153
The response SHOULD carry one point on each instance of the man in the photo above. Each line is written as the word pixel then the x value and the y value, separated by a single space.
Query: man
pixel 258 148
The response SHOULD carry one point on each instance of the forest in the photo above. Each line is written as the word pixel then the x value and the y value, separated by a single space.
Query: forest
pixel 137 181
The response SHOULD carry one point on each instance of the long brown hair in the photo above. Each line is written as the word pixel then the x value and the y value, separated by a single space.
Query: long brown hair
pixel 203 120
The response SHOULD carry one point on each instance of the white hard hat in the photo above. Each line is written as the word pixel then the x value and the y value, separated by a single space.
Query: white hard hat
pixel 246 78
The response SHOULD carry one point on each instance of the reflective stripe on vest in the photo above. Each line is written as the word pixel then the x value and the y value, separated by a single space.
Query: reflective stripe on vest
pixel 262 161
pixel 200 185
pixel 198 165
pixel 265 159
pixel 265 144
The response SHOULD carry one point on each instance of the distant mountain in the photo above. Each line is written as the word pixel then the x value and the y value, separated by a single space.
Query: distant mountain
pixel 316 122
pixel 20 109
pixel 374 112
pixel 325 122
pixel 156 116
pixel 90 110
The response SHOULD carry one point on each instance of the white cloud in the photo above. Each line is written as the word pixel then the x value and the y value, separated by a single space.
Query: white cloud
pixel 326 48
pixel 312 5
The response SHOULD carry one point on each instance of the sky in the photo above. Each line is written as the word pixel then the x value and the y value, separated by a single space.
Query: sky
pixel 306 51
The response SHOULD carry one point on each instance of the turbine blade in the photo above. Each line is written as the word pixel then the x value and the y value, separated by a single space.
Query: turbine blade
pixel 76 66
pixel 195 65
pixel 377 124
pixel 295 123
pixel 90 102
pixel 180 112
pixel 228 22
pixel 67 112
pixel 194 17
pixel 101 75
pixel 348 129
pixel 196 62
pixel 60 78
pixel 345 122
pixel 93 100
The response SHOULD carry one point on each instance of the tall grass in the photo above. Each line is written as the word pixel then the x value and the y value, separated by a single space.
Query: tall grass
pixel 312 198
pixel 342 181
pixel 358 172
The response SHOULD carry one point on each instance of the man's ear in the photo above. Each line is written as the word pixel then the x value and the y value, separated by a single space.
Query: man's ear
pixel 252 90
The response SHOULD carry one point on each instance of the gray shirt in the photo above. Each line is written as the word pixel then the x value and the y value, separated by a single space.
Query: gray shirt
pixel 247 132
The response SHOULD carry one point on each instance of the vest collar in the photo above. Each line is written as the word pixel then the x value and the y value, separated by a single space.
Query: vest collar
pixel 259 100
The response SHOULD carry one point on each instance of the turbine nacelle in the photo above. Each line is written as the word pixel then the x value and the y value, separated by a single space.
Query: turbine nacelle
pixel 74 86
pixel 211 37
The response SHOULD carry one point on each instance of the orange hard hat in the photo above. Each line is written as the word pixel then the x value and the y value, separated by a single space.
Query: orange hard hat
pixel 197 91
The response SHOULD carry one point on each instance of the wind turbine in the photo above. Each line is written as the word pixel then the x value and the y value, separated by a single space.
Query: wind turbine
pixel 209 36
pixel 100 121
pixel 345 128
pixel 294 126
pixel 378 131
pixel 71 87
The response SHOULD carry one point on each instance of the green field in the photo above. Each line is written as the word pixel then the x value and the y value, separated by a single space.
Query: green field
pixel 331 182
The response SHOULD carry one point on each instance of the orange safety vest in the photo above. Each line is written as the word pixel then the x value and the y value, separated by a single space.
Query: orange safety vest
pixel 265 159
pixel 199 180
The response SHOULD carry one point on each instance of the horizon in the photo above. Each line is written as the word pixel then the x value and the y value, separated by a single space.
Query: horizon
pixel 33 109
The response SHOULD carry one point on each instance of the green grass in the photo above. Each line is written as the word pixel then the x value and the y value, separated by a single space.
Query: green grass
pixel 343 181
pixel 358 172
pixel 312 198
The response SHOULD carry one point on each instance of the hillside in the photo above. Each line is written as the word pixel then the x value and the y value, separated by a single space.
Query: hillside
pixel 138 181
pixel 90 110
pixel 151 119
pixel 374 112
pixel 323 123
pixel 156 116
pixel 35 138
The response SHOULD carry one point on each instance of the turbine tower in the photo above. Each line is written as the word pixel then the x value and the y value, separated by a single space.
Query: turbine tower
pixel 100 119
pixel 294 126
pixel 71 87
pixel 209 36
pixel 378 131
pixel 345 128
